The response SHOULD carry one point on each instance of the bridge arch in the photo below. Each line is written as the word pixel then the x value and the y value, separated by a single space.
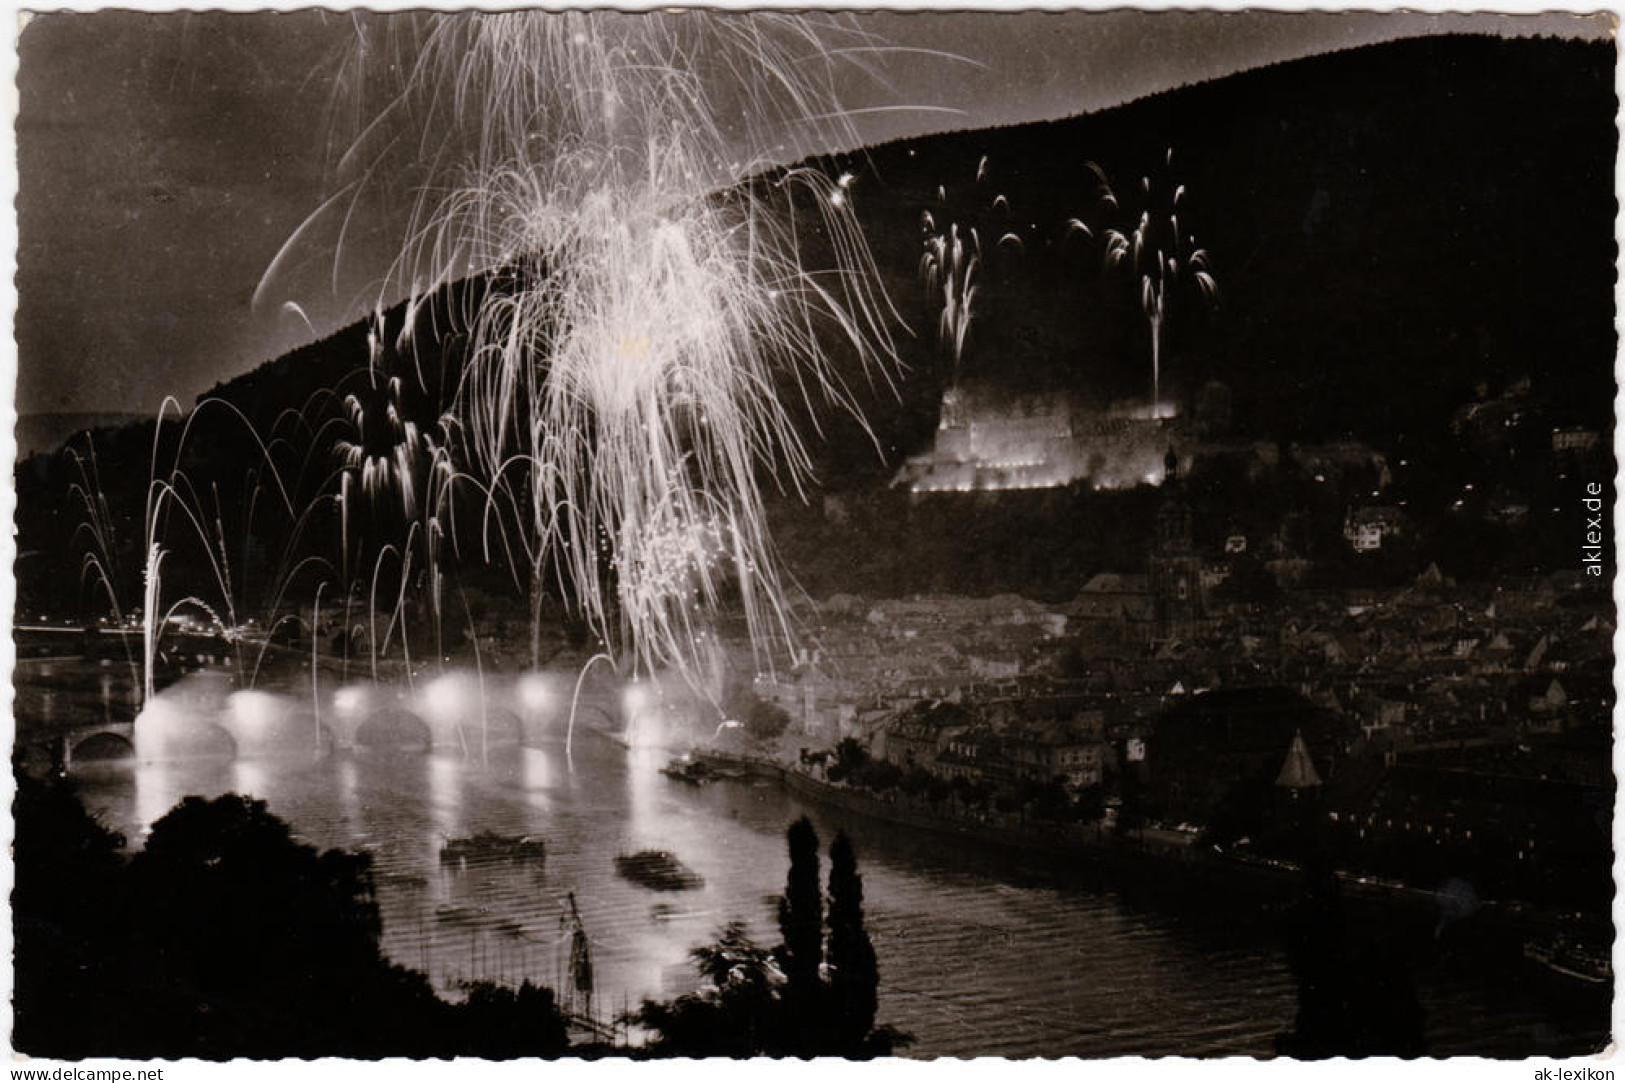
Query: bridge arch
pixel 500 728
pixel 288 731
pixel 195 741
pixel 394 727
pixel 103 747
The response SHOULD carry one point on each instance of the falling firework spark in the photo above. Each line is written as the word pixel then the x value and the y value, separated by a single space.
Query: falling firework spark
pixel 627 371
pixel 1160 255
pixel 949 268
pixel 962 257
pixel 385 451
pixel 171 494
pixel 99 566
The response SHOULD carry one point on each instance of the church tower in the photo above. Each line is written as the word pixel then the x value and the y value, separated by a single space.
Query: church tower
pixel 1175 568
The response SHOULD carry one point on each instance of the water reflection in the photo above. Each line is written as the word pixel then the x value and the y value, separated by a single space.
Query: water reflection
pixel 445 790
pixel 154 795
pixel 980 951
pixel 249 777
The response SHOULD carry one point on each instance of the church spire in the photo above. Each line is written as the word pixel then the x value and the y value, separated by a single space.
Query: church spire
pixel 1298 772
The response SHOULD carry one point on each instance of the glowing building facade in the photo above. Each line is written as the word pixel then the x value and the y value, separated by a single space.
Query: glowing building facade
pixel 990 443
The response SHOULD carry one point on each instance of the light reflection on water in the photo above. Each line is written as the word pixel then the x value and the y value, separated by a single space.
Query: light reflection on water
pixel 979 954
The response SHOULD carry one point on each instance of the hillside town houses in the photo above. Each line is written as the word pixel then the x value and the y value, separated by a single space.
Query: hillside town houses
pixel 1056 690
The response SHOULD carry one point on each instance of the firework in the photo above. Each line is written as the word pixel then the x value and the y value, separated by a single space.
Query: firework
pixel 171 494
pixel 388 472
pixel 962 256
pixel 949 269
pixel 624 382
pixel 220 530
pixel 1160 255
pixel 99 566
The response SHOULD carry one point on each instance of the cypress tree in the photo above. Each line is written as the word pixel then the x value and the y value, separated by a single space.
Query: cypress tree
pixel 854 973
pixel 801 924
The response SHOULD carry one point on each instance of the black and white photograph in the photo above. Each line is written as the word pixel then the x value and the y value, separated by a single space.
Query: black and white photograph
pixel 608 534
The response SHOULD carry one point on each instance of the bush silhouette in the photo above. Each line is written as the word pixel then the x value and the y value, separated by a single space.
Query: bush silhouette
pixel 226 937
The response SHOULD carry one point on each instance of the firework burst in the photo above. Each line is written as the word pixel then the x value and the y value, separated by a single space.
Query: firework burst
pixel 1161 255
pixel 961 256
pixel 626 375
pixel 385 450
pixel 949 269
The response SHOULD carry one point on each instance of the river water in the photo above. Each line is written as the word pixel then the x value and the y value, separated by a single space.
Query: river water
pixel 980 952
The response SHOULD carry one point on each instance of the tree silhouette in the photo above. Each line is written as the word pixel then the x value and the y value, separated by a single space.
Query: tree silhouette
pixel 1356 998
pixel 848 758
pixel 765 720
pixel 234 921
pixel 498 1023
pixel 801 924
pixel 736 1014
pixel 226 937
pixel 68 872
pixel 796 1000
pixel 854 974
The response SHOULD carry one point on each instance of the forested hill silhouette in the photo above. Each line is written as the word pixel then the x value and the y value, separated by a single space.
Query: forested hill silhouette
pixel 1390 225
pixel 1396 230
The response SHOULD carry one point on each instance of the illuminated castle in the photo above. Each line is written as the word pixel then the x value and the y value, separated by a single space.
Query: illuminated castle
pixel 985 444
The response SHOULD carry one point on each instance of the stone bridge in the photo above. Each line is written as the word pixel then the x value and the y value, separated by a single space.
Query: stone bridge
pixel 98 741
pixel 208 720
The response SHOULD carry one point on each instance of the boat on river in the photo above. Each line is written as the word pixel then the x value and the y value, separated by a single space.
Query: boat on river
pixel 694 772
pixel 658 870
pixel 489 846
pixel 697 771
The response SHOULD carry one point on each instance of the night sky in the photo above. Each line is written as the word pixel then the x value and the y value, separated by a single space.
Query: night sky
pixel 165 159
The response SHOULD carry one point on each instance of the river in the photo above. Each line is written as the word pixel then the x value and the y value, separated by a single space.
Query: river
pixel 981 953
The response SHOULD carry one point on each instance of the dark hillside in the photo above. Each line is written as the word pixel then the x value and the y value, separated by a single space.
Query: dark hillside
pixel 1397 231
pixel 1389 226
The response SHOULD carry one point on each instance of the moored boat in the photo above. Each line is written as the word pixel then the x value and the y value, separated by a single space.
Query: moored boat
pixel 489 846
pixel 658 870
pixel 693 772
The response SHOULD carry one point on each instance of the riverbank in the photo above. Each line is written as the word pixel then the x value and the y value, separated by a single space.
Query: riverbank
pixel 1152 858
pixel 1072 843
